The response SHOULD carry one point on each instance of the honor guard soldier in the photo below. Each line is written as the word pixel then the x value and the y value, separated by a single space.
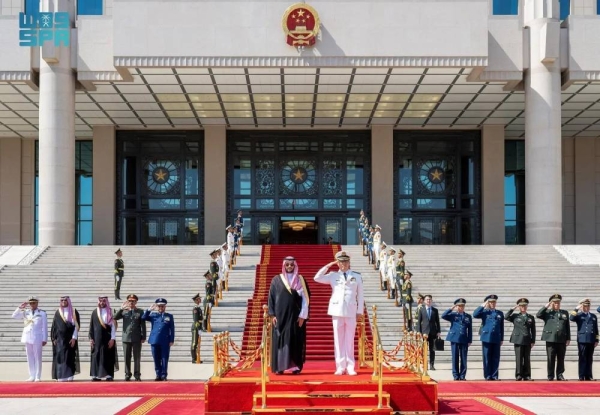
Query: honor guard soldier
pixel 392 263
pixel 364 235
pixel 383 259
pixel 214 274
pixel 556 334
pixel 407 301
pixel 491 334
pixel 376 245
pixel 523 338
pixel 226 265
pixel 35 335
pixel 370 237
pixel 587 337
pixel 420 299
pixel 240 218
pixel 209 301
pixel 119 273
pixel 196 328
pixel 134 334
pixel 460 337
pixel 230 245
pixel 238 236
pixel 399 278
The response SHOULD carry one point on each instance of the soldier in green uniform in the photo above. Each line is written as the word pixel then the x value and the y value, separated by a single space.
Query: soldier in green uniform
pixel 556 334
pixel 522 337
pixel 407 300
pixel 134 334
pixel 214 274
pixel 209 301
pixel 400 268
pixel 119 273
pixel 196 327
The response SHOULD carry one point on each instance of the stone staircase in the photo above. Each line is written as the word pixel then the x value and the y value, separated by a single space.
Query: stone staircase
pixel 473 272
pixel 85 272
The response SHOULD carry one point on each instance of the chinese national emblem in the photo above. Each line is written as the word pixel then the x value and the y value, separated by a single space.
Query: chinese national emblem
pixel 301 25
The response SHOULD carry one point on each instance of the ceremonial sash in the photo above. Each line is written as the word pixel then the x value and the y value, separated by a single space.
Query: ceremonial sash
pixel 60 312
pixel 287 286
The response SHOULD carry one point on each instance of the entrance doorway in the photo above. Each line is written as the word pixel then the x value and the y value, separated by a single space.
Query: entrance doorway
pixel 298 230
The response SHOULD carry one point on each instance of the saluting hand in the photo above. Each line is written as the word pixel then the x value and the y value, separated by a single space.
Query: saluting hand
pixel 515 307
pixel 125 305
pixel 23 305
pixel 153 307
pixel 332 263
pixel 548 305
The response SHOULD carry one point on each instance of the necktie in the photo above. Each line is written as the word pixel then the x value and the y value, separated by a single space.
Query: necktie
pixel 345 276
pixel 429 314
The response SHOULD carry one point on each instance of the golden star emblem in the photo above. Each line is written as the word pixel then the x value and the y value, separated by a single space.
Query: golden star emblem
pixel 300 12
pixel 160 175
pixel 298 175
pixel 436 175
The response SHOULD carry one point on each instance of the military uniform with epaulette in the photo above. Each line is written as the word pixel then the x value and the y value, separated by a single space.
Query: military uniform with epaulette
pixel 523 339
pixel 587 338
pixel 196 327
pixel 209 301
pixel 556 334
pixel 119 274
pixel 399 278
pixel 407 300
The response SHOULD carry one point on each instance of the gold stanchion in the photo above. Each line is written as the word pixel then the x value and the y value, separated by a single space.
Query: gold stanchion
pixel 425 357
pixel 380 391
pixel 215 356
pixel 375 343
pixel 265 356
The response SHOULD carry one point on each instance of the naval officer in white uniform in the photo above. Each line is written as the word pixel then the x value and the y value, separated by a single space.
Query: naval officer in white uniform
pixel 35 335
pixel 345 305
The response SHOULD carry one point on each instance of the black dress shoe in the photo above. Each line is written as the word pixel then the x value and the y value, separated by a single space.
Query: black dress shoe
pixel 560 377
pixel 581 379
pixel 527 378
pixel 157 379
pixel 109 379
pixel 550 378
pixel 138 379
pixel 296 372
pixel 163 379
pixel 95 380
pixel 127 378
pixel 431 367
pixel 519 378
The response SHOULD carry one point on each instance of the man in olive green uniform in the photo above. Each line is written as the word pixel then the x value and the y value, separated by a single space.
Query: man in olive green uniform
pixel 214 274
pixel 556 334
pixel 522 337
pixel 209 301
pixel 407 300
pixel 119 273
pixel 134 334
pixel 196 327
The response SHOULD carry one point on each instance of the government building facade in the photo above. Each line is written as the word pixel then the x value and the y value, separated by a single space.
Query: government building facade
pixel 446 121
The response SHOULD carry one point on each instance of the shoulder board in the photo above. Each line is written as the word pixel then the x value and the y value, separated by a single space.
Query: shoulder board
pixel 356 272
pixel 573 313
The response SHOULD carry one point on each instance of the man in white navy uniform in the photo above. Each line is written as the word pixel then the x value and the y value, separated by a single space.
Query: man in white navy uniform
pixel 35 335
pixel 345 305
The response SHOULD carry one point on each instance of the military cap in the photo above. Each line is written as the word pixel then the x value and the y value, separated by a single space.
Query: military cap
pixel 135 297
pixel 196 297
pixel 555 298
pixel 228 227
pixel 160 301
pixel 383 244
pixel 392 249
pixel 118 251
pixel 207 274
pixel 224 245
pixel 585 301
pixel 407 272
pixel 400 251
pixel 491 297
pixel 377 227
pixel 420 296
pixel 460 301
pixel 523 301
pixel 214 251
pixel 32 299
pixel 342 256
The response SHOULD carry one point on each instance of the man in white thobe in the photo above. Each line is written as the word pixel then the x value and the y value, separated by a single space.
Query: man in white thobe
pixel 35 335
pixel 345 305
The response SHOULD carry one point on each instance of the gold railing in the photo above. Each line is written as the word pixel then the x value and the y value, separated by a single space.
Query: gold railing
pixel 414 348
pixel 224 362
pixel 265 346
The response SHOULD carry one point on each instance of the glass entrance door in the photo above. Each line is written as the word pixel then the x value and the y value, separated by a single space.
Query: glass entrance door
pixel 435 230
pixel 161 231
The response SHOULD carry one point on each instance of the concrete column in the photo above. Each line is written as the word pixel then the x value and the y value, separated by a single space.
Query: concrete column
pixel 10 191
pixel 215 174
pixel 543 186
pixel 585 190
pixel 568 175
pixel 57 138
pixel 104 191
pixel 27 192
pixel 382 179
pixel 492 163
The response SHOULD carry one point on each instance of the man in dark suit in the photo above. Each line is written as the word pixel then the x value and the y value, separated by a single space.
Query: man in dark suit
pixel 587 337
pixel 460 336
pixel 162 336
pixel 134 334
pixel 523 338
pixel 556 334
pixel 428 323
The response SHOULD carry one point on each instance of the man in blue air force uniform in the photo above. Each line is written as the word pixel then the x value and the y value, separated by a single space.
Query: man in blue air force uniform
pixel 587 337
pixel 162 336
pixel 345 305
pixel 460 337
pixel 491 334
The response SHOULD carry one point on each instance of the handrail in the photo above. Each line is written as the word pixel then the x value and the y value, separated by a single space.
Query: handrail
pixel 264 346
